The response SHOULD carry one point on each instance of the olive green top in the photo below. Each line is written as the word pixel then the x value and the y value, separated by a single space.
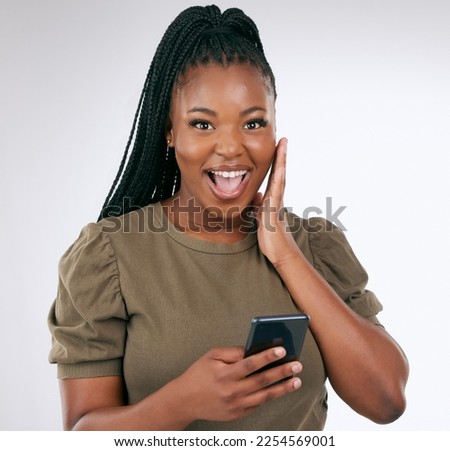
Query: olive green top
pixel 138 298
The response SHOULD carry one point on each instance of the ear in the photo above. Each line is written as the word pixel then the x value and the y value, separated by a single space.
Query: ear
pixel 169 133
pixel 169 139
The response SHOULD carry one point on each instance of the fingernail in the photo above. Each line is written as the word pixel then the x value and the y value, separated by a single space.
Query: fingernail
pixel 279 352
pixel 296 368
pixel 296 383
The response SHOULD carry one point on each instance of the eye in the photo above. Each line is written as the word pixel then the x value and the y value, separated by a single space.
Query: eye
pixel 255 124
pixel 201 125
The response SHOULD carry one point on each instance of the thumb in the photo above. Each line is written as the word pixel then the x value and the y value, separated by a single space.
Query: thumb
pixel 231 354
pixel 257 201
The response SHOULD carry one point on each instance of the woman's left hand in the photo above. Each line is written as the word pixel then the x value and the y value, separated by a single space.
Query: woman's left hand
pixel 274 238
pixel 365 366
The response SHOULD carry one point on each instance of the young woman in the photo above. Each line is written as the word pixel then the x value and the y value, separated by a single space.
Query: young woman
pixel 156 298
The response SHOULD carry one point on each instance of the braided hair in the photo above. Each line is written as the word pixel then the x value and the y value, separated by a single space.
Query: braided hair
pixel 198 36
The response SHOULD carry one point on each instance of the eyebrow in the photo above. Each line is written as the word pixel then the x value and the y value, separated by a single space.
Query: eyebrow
pixel 252 109
pixel 209 112
pixel 203 110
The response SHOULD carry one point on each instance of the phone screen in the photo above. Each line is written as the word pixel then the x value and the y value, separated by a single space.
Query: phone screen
pixel 287 331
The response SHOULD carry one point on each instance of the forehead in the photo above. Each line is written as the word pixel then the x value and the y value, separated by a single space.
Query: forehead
pixel 236 83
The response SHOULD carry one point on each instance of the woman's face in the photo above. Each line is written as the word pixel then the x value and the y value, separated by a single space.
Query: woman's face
pixel 223 132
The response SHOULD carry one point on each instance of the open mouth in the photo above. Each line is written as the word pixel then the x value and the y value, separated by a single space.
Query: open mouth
pixel 228 184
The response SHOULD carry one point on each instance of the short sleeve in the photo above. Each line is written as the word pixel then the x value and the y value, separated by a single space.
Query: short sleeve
pixel 335 260
pixel 88 318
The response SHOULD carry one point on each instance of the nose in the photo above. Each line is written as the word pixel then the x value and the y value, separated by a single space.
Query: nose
pixel 229 144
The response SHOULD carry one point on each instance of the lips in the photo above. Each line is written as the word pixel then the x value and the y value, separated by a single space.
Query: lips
pixel 228 184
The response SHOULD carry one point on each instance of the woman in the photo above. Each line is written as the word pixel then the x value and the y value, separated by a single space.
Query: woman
pixel 156 298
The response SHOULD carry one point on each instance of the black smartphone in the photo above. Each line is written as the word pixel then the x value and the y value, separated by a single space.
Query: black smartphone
pixel 288 331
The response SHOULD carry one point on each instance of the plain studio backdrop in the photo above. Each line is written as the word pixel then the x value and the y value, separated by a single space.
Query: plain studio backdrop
pixel 364 99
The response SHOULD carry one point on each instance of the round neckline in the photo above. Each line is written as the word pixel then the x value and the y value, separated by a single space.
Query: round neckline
pixel 199 244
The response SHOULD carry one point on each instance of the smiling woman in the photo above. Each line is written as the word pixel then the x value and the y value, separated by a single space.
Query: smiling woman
pixel 147 326
pixel 222 128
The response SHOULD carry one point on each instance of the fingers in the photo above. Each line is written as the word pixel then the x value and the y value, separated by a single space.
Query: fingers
pixel 256 362
pixel 277 179
pixel 276 184
pixel 257 201
pixel 272 392
pixel 230 388
pixel 272 383
pixel 269 377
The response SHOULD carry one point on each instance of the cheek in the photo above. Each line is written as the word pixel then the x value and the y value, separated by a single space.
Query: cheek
pixel 263 150
pixel 263 142
pixel 190 150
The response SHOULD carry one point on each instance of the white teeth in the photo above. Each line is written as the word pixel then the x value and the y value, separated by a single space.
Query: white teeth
pixel 229 174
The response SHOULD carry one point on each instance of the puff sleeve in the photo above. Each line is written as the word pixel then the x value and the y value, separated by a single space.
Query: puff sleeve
pixel 335 260
pixel 88 318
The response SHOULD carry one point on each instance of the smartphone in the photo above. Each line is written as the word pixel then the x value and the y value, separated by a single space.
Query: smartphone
pixel 288 331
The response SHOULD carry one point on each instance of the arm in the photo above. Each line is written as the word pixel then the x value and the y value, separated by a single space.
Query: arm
pixel 99 404
pixel 365 366
pixel 215 387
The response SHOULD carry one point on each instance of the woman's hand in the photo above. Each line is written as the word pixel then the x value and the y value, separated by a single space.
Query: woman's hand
pixel 274 239
pixel 221 386
pixel 365 366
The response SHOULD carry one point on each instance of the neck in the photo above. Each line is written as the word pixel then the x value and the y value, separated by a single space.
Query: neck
pixel 208 223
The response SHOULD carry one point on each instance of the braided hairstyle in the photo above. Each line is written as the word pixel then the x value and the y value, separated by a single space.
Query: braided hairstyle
pixel 198 36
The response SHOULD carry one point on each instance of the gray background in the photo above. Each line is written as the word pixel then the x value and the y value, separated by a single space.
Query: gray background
pixel 364 99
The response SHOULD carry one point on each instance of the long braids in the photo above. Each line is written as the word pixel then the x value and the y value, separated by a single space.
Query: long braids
pixel 198 36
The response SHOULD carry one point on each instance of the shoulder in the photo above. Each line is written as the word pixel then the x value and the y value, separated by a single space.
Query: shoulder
pixel 315 233
pixel 309 226
pixel 89 260
pixel 326 247
pixel 143 219
pixel 329 251
pixel 89 240
pixel 325 241
pixel 97 242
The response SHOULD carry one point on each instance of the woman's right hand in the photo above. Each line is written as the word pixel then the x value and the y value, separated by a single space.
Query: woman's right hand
pixel 221 386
